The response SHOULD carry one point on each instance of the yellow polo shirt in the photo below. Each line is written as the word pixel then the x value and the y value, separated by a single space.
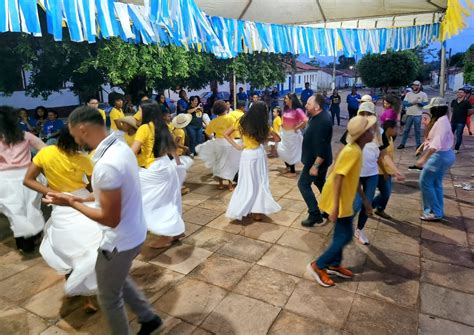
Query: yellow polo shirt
pixel 114 115
pixel 102 113
pixel 180 136
pixel 146 136
pixel 277 125
pixel 220 125
pixel 237 114
pixel 348 164
pixel 64 172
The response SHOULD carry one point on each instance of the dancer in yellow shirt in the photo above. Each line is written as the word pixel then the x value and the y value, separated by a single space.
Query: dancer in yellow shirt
pixel 276 128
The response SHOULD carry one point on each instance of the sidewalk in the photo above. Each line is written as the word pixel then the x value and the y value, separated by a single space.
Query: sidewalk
pixel 226 277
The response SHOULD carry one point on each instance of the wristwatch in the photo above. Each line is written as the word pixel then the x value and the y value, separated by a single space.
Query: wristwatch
pixel 316 165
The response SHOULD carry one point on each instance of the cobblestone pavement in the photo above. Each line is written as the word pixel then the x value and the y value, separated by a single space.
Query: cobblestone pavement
pixel 249 278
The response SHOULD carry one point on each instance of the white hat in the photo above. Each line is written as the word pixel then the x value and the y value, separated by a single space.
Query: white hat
pixel 366 98
pixel 181 120
pixel 357 126
pixel 436 102
pixel 367 107
pixel 416 82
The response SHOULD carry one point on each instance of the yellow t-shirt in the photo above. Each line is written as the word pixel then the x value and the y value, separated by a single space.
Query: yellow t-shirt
pixel 114 115
pixel 102 112
pixel 146 136
pixel 277 124
pixel 237 114
pixel 220 125
pixel 390 152
pixel 64 172
pixel 129 139
pixel 180 135
pixel 138 116
pixel 170 127
pixel 348 164
pixel 249 142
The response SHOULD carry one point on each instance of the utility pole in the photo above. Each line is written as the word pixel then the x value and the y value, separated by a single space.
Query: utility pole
pixel 442 70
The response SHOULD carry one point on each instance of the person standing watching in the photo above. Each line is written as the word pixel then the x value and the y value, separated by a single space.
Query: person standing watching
pixel 306 94
pixel 183 102
pixel 414 102
pixel 461 108
pixel 316 157
pixel 116 186
pixel 353 103
pixel 241 96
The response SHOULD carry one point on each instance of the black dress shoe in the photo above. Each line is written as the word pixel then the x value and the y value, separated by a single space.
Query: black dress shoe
pixel 25 244
pixel 312 220
pixel 401 146
pixel 150 326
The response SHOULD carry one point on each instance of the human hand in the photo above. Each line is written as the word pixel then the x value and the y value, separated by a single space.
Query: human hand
pixel 333 215
pixel 313 171
pixel 368 208
pixel 59 199
pixel 399 176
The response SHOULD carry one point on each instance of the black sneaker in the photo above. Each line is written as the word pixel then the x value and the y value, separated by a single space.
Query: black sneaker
pixel 414 168
pixel 401 146
pixel 312 220
pixel 382 214
pixel 150 326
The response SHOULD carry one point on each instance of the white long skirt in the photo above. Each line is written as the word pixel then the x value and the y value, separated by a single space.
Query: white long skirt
pixel 220 156
pixel 186 163
pixel 21 205
pixel 70 244
pixel 252 194
pixel 161 197
pixel 290 147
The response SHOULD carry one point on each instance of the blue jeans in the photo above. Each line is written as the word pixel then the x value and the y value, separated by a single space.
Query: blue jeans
pixel 304 185
pixel 342 236
pixel 416 122
pixel 431 182
pixel 369 184
pixel 385 190
pixel 195 137
pixel 458 129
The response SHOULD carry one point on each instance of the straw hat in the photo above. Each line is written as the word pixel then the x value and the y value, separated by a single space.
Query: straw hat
pixel 358 125
pixel 130 120
pixel 436 102
pixel 367 107
pixel 181 120
pixel 366 98
pixel 417 83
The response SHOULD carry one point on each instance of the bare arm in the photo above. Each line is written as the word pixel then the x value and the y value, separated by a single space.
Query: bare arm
pixel 338 178
pixel 35 142
pixel 276 137
pixel 384 158
pixel 30 180
pixel 228 136
pixel 301 125
pixel 109 213
pixel 136 146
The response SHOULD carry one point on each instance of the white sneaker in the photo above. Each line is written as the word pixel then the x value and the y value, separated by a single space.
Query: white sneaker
pixel 360 235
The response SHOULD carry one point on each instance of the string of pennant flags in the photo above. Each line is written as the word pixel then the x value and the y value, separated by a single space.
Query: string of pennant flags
pixel 182 23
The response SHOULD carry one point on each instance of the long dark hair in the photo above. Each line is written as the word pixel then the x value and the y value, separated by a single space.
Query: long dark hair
pixel 394 101
pixel 164 143
pixel 10 132
pixel 295 102
pixel 66 142
pixel 45 114
pixel 254 123
pixel 436 113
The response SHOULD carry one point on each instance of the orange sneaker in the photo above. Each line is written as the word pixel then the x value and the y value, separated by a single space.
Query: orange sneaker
pixel 340 272
pixel 320 275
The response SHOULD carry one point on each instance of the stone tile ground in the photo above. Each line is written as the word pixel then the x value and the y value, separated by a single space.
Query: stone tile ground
pixel 249 278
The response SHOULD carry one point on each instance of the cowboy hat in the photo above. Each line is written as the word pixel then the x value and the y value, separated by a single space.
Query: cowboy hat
pixel 436 102
pixel 367 107
pixel 130 120
pixel 358 125
pixel 181 120
pixel 366 98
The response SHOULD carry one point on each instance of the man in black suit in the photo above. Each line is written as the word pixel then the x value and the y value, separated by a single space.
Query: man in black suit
pixel 316 156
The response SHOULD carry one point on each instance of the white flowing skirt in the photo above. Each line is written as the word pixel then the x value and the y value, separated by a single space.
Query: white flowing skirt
pixel 252 194
pixel 290 147
pixel 21 205
pixel 161 197
pixel 70 244
pixel 186 163
pixel 220 156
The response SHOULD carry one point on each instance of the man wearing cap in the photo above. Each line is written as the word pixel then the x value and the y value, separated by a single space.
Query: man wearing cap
pixel 316 157
pixel 338 197
pixel 461 108
pixel 414 102
pixel 353 100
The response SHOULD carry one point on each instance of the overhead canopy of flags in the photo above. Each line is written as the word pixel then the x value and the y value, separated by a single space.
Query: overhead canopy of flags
pixel 183 23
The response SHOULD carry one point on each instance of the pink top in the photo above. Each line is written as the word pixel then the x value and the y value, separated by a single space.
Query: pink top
pixel 18 155
pixel 441 137
pixel 293 117
pixel 388 114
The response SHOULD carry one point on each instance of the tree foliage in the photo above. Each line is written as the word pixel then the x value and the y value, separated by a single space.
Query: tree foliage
pixel 393 69
pixel 469 65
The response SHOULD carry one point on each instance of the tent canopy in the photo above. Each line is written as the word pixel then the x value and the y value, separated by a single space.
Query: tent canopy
pixel 330 13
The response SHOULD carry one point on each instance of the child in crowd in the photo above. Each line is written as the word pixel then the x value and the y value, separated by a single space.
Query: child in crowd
pixel 252 195
pixel 276 128
pixel 391 105
pixel 180 122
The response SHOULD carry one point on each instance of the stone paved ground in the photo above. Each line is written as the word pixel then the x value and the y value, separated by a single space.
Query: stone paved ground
pixel 250 278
